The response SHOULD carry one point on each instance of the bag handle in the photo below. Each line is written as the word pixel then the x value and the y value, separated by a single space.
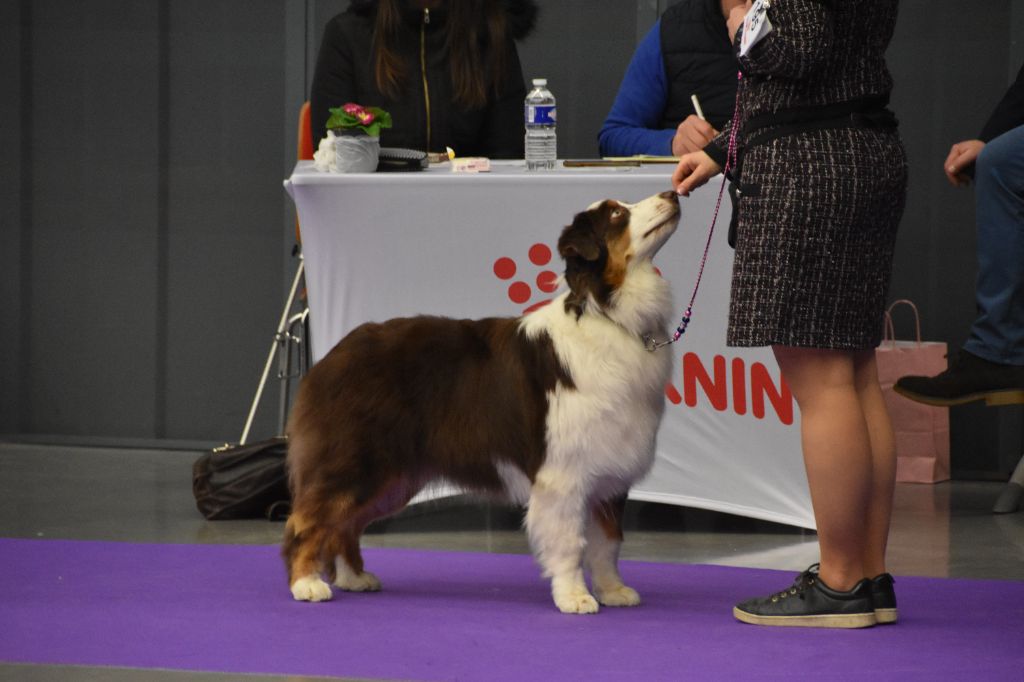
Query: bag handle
pixel 889 332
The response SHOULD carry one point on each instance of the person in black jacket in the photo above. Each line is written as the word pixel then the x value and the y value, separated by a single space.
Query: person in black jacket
pixel 447 71
pixel 991 364
pixel 686 53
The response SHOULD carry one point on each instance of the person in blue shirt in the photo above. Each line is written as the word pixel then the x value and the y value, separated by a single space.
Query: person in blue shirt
pixel 687 52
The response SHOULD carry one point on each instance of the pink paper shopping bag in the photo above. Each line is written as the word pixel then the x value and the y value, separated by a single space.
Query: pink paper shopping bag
pixel 922 431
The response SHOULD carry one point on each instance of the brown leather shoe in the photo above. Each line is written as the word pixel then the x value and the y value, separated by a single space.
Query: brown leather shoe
pixel 969 378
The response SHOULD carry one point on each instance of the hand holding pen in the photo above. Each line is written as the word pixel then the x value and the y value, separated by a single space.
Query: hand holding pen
pixel 694 133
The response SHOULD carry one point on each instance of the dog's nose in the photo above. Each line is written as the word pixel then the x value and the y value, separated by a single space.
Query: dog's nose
pixel 670 196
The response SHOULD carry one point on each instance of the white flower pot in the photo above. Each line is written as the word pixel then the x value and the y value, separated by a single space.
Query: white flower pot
pixel 355 152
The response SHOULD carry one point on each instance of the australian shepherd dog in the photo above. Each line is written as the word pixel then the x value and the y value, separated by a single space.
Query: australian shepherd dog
pixel 557 410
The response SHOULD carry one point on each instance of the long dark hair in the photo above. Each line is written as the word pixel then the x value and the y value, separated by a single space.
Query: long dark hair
pixel 472 25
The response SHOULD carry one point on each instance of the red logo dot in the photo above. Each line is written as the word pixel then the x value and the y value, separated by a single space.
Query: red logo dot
pixel 547 281
pixel 540 254
pixel 505 268
pixel 519 292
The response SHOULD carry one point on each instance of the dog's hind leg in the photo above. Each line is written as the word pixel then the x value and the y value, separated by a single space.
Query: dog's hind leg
pixel 303 555
pixel 555 523
pixel 348 564
pixel 604 538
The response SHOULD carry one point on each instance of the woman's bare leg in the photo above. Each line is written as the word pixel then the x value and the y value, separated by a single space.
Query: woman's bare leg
pixel 883 460
pixel 837 448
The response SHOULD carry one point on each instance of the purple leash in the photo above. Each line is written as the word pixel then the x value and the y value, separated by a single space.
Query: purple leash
pixel 730 162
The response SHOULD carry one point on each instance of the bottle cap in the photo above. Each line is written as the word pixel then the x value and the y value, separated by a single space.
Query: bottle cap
pixel 540 82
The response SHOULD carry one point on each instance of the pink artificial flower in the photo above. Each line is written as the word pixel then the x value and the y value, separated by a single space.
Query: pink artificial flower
pixel 353 109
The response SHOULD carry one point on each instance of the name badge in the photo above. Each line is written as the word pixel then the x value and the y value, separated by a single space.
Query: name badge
pixel 756 25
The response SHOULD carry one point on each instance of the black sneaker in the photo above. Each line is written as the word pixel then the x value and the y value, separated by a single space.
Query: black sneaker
pixel 883 598
pixel 968 378
pixel 813 604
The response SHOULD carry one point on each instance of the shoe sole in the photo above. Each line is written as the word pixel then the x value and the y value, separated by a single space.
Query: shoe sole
pixel 886 616
pixel 831 620
pixel 1007 397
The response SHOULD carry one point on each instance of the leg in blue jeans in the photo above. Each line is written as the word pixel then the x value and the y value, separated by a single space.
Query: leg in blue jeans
pixel 997 334
pixel 992 366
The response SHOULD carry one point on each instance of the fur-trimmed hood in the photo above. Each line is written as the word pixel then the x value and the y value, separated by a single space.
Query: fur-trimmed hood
pixel 522 14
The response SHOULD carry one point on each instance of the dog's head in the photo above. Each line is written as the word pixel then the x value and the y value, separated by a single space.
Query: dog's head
pixel 608 240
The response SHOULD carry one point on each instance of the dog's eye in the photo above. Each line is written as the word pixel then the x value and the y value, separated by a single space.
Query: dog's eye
pixel 617 213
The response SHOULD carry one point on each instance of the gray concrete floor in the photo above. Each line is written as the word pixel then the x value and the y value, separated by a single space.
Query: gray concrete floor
pixel 132 495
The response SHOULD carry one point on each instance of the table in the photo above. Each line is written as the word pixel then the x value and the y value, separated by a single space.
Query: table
pixel 382 245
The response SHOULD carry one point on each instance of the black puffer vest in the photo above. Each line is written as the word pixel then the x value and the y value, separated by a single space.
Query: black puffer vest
pixel 698 59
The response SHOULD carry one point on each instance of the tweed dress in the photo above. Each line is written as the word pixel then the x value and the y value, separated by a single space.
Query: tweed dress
pixel 818 217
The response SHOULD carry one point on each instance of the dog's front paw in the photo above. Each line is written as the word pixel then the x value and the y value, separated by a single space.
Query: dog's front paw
pixel 619 596
pixel 363 582
pixel 576 602
pixel 311 588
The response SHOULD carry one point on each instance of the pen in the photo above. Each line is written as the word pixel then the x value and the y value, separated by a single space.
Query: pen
pixel 696 106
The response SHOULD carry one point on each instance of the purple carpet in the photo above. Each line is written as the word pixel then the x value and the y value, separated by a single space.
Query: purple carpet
pixel 461 616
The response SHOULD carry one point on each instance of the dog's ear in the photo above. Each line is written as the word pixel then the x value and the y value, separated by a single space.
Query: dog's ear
pixel 579 239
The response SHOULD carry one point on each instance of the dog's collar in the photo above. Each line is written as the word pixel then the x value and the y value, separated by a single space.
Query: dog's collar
pixel 646 339
pixel 651 344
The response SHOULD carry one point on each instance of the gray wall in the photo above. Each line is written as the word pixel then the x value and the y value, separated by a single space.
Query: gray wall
pixel 145 236
pixel 142 214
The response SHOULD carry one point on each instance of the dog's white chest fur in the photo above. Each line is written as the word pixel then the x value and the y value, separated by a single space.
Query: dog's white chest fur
pixel 604 427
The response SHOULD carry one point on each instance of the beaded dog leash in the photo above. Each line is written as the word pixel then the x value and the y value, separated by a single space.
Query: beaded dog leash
pixel 730 162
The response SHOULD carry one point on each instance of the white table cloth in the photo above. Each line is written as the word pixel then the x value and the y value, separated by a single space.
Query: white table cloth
pixel 382 245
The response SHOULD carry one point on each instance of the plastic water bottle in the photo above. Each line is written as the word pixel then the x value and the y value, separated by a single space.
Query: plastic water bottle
pixel 541 143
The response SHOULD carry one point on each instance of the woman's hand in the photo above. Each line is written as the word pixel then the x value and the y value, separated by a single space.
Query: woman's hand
pixel 693 170
pixel 961 157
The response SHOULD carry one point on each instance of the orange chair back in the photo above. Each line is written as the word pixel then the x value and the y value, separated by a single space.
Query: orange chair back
pixel 305 134
pixel 305 151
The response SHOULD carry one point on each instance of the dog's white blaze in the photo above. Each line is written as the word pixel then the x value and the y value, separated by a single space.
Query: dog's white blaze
pixel 643 217
pixel 647 213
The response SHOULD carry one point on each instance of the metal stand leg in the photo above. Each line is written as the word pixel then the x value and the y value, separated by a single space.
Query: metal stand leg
pixel 1009 499
pixel 283 334
pixel 291 364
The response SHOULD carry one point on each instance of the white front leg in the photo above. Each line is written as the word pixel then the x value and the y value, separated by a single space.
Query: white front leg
pixel 555 524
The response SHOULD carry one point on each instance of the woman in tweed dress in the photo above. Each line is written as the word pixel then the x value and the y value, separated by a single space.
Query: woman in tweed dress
pixel 822 178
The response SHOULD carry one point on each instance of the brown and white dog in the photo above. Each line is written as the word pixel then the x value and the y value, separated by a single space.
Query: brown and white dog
pixel 557 410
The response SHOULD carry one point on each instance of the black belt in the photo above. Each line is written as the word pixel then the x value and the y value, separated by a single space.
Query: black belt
pixel 867 112
pixel 861 105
